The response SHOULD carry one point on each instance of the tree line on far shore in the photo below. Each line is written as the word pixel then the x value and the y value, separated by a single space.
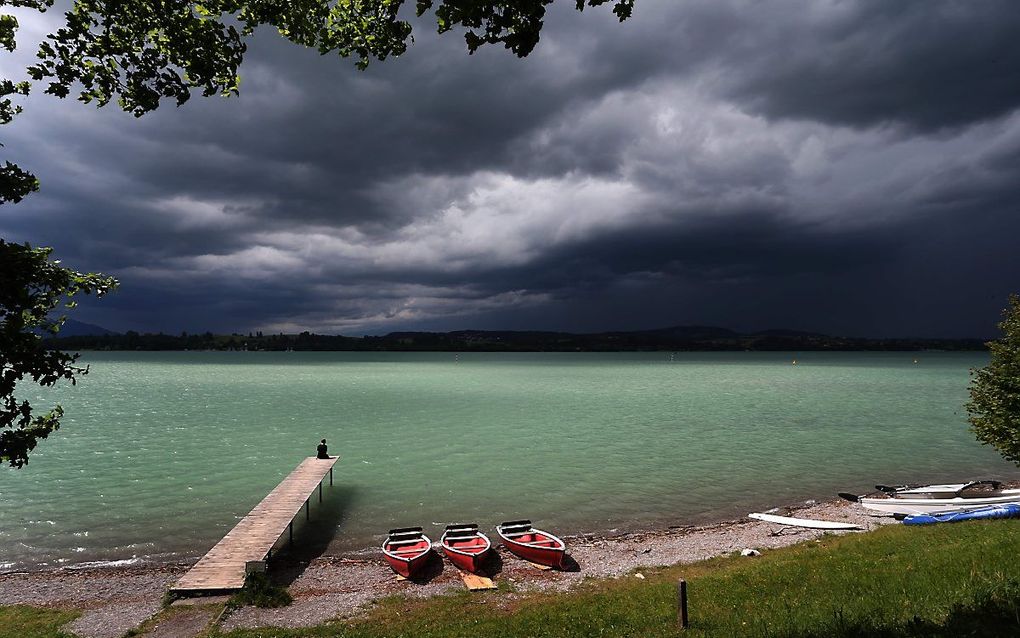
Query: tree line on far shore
pixel 680 339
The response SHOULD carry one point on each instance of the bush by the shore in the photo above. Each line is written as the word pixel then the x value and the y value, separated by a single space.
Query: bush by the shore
pixel 259 591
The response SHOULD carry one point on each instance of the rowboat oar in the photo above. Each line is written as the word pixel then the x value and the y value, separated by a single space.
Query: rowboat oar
pixel 995 485
pixel 892 489
pixel 887 489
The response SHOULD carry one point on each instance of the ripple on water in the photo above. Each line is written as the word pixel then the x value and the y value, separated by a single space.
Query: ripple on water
pixel 122 562
pixel 168 450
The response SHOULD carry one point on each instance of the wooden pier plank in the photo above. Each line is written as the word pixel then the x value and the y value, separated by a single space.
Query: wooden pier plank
pixel 222 568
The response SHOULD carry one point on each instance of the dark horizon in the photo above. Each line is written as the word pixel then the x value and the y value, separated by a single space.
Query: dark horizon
pixel 81 329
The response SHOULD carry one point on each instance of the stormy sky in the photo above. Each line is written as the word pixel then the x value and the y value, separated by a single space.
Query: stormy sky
pixel 849 167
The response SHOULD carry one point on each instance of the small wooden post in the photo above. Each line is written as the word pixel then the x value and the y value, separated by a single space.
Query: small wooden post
pixel 331 476
pixel 251 566
pixel 681 601
pixel 291 528
pixel 307 515
pixel 320 491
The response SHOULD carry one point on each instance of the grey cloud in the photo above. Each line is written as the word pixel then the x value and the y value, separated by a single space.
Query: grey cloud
pixel 922 64
pixel 701 163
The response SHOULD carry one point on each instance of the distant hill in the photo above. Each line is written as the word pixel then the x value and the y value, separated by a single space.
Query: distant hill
pixel 687 333
pixel 676 338
pixel 74 328
pixel 780 332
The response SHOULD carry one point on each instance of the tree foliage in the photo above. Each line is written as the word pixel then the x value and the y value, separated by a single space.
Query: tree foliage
pixel 994 404
pixel 32 288
pixel 15 182
pixel 141 51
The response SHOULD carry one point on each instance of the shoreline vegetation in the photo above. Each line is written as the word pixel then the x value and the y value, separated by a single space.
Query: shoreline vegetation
pixel 675 339
pixel 891 581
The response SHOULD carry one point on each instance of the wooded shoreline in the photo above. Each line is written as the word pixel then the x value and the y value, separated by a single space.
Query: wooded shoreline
pixel 677 339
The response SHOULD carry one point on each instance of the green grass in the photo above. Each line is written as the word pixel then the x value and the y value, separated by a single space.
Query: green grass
pixel 20 621
pixel 259 591
pixel 951 580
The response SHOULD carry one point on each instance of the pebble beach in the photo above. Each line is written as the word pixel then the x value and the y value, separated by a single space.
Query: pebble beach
pixel 116 599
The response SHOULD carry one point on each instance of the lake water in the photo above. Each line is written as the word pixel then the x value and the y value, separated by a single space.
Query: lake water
pixel 161 453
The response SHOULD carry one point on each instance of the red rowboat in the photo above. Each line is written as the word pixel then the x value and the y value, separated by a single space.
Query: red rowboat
pixel 465 546
pixel 532 544
pixel 407 550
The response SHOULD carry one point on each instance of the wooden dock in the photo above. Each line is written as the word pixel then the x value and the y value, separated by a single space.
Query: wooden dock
pixel 253 538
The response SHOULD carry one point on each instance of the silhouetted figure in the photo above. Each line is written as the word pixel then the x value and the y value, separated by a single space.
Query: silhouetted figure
pixel 322 453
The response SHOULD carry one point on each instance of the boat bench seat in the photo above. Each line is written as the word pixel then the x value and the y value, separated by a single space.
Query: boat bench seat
pixel 407 551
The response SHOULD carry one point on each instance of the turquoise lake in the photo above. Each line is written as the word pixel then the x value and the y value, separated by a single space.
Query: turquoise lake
pixel 161 453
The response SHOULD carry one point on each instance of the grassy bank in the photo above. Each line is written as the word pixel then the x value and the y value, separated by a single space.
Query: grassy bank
pixel 954 580
pixel 895 581
pixel 20 621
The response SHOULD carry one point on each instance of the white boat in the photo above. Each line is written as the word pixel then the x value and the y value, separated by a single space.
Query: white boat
pixel 810 523
pixel 946 490
pixel 905 500
pixel 928 504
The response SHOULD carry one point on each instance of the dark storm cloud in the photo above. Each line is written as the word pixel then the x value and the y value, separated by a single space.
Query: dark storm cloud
pixel 925 65
pixel 841 166
pixel 309 127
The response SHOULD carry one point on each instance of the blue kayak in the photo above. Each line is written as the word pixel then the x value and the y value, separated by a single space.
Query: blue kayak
pixel 1008 510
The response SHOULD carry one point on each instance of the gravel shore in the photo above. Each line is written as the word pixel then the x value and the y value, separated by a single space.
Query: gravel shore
pixel 116 599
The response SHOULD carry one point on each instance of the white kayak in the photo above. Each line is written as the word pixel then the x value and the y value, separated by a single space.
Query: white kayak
pixel 803 522
pixel 947 490
pixel 925 504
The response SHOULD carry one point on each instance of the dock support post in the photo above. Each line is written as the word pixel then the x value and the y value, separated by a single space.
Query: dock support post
pixel 331 477
pixel 307 515
pixel 681 600
pixel 320 491
pixel 291 528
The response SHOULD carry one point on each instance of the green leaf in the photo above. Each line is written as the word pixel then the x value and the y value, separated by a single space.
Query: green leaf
pixel 994 405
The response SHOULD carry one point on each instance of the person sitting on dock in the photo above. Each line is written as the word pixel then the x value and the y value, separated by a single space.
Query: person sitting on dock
pixel 322 454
